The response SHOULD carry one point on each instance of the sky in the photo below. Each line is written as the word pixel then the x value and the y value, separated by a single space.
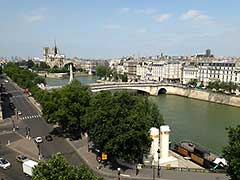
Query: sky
pixel 116 28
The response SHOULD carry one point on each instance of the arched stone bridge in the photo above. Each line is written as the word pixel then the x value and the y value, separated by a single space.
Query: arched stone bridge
pixel 148 87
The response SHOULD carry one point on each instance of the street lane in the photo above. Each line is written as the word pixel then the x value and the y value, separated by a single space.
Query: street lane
pixel 15 171
pixel 39 127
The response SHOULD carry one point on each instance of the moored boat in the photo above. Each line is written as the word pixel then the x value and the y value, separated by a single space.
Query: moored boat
pixel 200 155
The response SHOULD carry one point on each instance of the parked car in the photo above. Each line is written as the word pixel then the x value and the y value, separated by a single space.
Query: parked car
pixel 38 139
pixel 19 113
pixel 49 138
pixel 4 163
pixel 22 158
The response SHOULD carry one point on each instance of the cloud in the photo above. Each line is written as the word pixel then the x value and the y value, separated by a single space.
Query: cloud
pixel 33 18
pixel 34 15
pixel 142 30
pixel 194 15
pixel 111 26
pixel 124 10
pixel 162 17
pixel 148 11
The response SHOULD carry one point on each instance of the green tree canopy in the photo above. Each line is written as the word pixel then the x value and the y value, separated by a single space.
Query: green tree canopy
pixel 57 168
pixel 103 71
pixel 119 124
pixel 232 153
pixel 30 63
pixel 67 106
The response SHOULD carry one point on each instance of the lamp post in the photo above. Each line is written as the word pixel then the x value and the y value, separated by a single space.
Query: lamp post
pixel 158 151
pixel 13 123
pixel 119 173
pixel 39 152
pixel 154 171
pixel 158 173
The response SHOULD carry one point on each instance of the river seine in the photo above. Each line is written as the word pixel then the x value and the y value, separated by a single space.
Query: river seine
pixel 201 122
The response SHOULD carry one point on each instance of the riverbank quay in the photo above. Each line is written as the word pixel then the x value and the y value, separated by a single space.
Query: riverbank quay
pixel 155 88
pixel 61 75
pixel 205 95
pixel 143 174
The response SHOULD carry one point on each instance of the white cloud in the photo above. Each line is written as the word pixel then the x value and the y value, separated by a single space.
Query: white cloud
pixel 194 15
pixel 111 26
pixel 142 30
pixel 162 17
pixel 124 10
pixel 148 11
pixel 33 18
pixel 35 15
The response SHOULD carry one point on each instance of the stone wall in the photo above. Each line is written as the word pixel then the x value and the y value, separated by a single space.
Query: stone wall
pixel 205 96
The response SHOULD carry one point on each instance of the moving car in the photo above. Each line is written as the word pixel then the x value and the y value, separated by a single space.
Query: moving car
pixel 19 113
pixel 38 139
pixel 4 163
pixel 22 158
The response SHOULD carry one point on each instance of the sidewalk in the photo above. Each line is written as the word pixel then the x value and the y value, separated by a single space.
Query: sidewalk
pixel 24 146
pixel 144 174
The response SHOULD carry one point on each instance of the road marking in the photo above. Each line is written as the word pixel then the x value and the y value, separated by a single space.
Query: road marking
pixel 31 117
pixel 5 132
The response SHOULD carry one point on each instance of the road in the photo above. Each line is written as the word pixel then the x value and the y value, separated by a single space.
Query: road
pixel 31 118
pixel 15 171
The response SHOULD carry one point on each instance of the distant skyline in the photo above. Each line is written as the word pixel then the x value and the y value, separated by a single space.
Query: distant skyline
pixel 116 28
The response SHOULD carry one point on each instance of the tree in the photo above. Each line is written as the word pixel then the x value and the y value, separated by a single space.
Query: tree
pixel 67 106
pixel 103 71
pixel 43 65
pixel 232 153
pixel 119 124
pixel 39 80
pixel 57 168
pixel 30 63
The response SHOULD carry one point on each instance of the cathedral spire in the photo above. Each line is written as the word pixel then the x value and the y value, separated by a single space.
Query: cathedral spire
pixel 55 47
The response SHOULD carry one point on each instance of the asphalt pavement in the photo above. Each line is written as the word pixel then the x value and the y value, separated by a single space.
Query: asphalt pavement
pixel 15 171
pixel 30 117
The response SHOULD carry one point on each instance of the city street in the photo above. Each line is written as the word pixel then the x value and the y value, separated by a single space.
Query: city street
pixel 15 171
pixel 30 117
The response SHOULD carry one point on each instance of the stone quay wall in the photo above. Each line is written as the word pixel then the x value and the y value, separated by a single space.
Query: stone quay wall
pixel 205 96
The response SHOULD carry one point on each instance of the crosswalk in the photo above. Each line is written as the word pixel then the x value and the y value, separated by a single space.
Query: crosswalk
pixel 31 117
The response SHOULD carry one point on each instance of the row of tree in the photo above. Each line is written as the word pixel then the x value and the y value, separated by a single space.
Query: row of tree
pixel 226 86
pixel 118 123
pixel 106 72
pixel 57 168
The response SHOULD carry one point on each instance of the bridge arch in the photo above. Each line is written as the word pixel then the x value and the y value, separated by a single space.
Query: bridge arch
pixel 121 88
pixel 162 90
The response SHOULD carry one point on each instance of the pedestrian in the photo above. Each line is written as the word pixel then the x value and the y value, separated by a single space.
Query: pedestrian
pixel 137 170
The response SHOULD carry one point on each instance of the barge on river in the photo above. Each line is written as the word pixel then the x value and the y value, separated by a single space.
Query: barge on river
pixel 200 155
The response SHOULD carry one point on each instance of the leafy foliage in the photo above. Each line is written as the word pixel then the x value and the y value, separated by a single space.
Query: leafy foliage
pixel 104 72
pixel 227 86
pixel 120 123
pixel 58 168
pixel 66 106
pixel 232 153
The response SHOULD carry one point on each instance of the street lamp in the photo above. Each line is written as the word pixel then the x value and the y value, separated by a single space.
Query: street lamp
pixel 39 153
pixel 158 151
pixel 13 123
pixel 119 173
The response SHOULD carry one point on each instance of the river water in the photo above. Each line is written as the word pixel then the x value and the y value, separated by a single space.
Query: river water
pixel 201 122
